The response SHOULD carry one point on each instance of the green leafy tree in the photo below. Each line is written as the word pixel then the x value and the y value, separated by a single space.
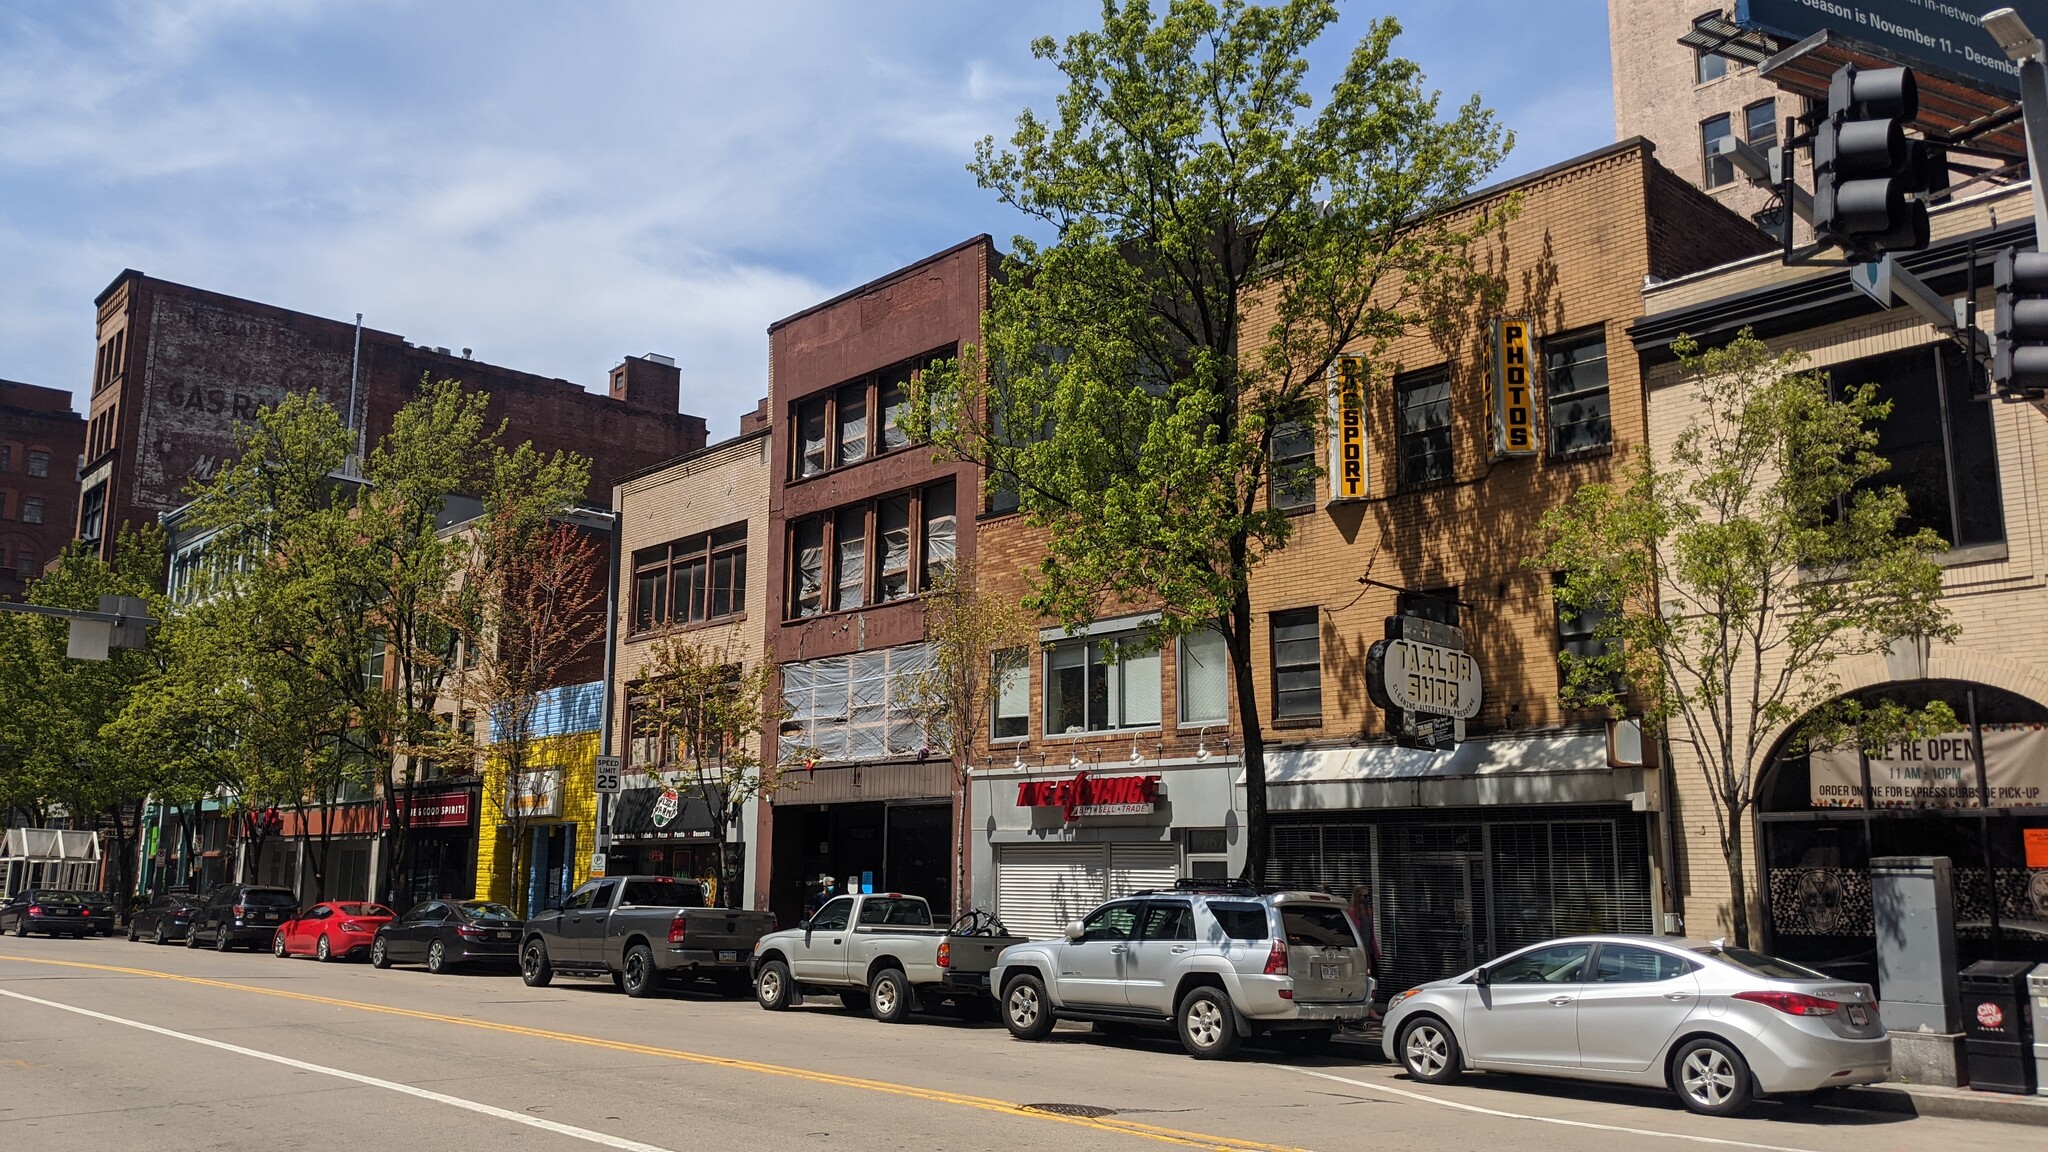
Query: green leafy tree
pixel 1731 578
pixel 1220 237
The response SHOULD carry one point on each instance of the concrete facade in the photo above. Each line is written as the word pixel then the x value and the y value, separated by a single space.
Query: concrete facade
pixel 41 441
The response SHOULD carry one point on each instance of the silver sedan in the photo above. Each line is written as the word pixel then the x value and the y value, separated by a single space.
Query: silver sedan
pixel 1717 1025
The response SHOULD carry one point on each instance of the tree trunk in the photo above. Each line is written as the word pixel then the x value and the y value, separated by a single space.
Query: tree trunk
pixel 1738 882
pixel 1256 845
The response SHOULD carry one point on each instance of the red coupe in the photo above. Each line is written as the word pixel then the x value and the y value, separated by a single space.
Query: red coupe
pixel 337 929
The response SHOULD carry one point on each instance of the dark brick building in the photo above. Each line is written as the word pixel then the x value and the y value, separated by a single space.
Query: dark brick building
pixel 179 367
pixel 41 440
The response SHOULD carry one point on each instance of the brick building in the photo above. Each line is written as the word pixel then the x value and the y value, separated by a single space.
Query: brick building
pixel 179 367
pixel 860 519
pixel 1970 471
pixel 41 440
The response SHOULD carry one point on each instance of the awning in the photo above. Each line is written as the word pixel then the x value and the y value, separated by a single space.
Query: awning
pixel 50 846
pixel 1564 769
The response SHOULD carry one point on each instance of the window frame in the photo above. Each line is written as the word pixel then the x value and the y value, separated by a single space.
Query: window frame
pixel 666 562
pixel 32 509
pixel 1003 665
pixel 1295 617
pixel 878 436
pixel 1405 385
pixel 1562 346
pixel 38 464
pixel 1699 67
pixel 1291 479
pixel 1716 171
pixel 1181 664
pixel 1114 686
pixel 1750 135
pixel 831 527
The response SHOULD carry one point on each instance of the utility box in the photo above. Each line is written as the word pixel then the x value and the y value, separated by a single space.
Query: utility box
pixel 1916 943
pixel 1997 1039
pixel 2037 990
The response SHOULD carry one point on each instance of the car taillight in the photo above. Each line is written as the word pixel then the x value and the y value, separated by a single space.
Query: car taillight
pixel 1791 1003
pixel 468 931
pixel 677 928
pixel 35 909
pixel 1276 960
pixel 351 926
pixel 945 954
pixel 241 909
pixel 85 911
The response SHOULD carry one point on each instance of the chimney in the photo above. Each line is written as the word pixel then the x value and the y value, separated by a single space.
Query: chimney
pixel 756 420
pixel 651 381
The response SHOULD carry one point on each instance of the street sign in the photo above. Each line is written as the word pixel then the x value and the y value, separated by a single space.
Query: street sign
pixel 597 865
pixel 1874 280
pixel 609 769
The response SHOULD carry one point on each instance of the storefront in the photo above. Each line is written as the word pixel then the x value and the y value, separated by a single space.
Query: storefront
pixel 1058 844
pixel 322 855
pixel 666 831
pixel 878 828
pixel 440 845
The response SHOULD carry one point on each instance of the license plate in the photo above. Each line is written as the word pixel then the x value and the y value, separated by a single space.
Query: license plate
pixel 1859 1015
pixel 1331 972
pixel 732 957
pixel 267 916
pixel 504 935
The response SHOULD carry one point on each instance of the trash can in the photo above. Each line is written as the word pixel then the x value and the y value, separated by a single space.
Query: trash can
pixel 2037 987
pixel 1996 1039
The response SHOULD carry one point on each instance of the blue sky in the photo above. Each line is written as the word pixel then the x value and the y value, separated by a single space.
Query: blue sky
pixel 559 185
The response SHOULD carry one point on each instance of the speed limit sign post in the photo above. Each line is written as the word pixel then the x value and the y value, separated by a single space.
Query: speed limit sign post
pixel 609 769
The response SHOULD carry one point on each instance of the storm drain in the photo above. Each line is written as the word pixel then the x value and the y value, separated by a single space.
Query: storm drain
pixel 1084 1111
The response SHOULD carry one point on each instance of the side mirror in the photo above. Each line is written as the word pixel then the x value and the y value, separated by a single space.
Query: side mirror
pixel 1075 931
pixel 804 923
pixel 1482 977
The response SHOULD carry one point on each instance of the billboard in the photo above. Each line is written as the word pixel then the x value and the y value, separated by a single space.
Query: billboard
pixel 1944 36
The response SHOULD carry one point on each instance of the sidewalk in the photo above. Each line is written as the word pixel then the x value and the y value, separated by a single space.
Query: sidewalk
pixel 1948 1103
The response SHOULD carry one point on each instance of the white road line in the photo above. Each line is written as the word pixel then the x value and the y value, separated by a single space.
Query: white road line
pixel 1391 1090
pixel 570 1130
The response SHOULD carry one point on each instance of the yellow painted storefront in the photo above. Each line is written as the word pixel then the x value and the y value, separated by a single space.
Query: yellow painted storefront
pixel 571 827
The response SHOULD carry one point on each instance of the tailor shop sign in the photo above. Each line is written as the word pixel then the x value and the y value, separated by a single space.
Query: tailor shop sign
pixel 1937 771
pixel 1084 795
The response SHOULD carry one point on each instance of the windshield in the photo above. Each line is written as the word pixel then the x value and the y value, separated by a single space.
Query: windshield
pixel 363 909
pixel 269 898
pixel 664 893
pixel 485 910
pixel 1768 967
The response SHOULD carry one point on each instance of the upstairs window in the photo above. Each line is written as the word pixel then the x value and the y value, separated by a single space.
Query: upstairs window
pixel 856 421
pixel 1709 66
pixel 1297 665
pixel 1293 476
pixel 1423 401
pixel 1760 125
pixel 39 464
pixel 1086 692
pixel 32 510
pixel 1009 695
pixel 692 580
pixel 1938 442
pixel 1204 676
pixel 1717 170
pixel 871 553
pixel 1575 392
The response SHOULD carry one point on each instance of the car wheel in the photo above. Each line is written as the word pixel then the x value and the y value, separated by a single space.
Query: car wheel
pixel 437 957
pixel 159 937
pixel 323 951
pixel 1429 1051
pixel 133 934
pixel 21 927
pixel 1027 1011
pixel 380 957
pixel 221 941
pixel 854 999
pixel 889 996
pixel 639 979
pixel 534 968
pixel 192 937
pixel 1208 1028
pixel 1712 1078
pixel 773 988
pixel 277 947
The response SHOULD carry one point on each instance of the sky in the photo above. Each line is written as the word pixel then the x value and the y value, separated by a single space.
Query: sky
pixel 560 185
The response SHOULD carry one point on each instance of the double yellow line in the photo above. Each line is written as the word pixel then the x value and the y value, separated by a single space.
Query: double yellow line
pixel 932 1095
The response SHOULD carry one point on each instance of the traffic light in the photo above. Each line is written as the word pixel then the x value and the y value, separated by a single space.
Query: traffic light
pixel 2019 354
pixel 1865 170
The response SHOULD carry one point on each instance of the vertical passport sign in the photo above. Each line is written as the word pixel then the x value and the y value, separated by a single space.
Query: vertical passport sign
pixel 1514 389
pixel 1347 430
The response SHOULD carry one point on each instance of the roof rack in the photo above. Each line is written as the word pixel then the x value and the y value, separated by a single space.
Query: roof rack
pixel 1230 884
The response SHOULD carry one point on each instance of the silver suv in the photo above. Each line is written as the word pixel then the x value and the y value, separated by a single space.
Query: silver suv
pixel 1217 962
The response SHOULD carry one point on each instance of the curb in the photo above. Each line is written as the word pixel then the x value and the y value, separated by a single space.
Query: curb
pixel 1946 1104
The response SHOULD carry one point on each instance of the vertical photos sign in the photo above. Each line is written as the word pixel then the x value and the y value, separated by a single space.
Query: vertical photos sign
pixel 1514 389
pixel 1347 430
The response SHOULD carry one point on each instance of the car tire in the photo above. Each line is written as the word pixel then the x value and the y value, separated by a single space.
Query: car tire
pixel 1712 1078
pixel 21 927
pixel 323 951
pixel 158 937
pixel 437 957
pixel 1027 1010
pixel 1428 1051
pixel 534 968
pixel 854 999
pixel 889 996
pixel 277 947
pixel 637 977
pixel 192 936
pixel 133 935
pixel 1207 1024
pixel 773 988
pixel 222 941
pixel 380 955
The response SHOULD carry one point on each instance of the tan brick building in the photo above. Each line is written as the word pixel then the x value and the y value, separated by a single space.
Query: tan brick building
pixel 1971 471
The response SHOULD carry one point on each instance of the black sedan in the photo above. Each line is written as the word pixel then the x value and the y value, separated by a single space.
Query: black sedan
pixel 165 919
pixel 444 933
pixel 100 907
pixel 47 910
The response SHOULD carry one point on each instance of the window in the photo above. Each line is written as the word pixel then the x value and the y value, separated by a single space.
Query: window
pixel 1322 925
pixel 1240 921
pixel 859 419
pixel 1204 678
pixel 581 898
pixel 1438 604
pixel 688 581
pixel 1297 665
pixel 1294 467
pixel 940 534
pixel 1575 390
pixel 32 510
pixel 1627 964
pixel 92 514
pixel 1558 964
pixel 1760 125
pixel 850 544
pixel 833 917
pixel 1086 692
pixel 1111 922
pixel 1423 401
pixel 1009 695
pixel 1938 442
pixel 1719 169
pixel 1169 920
pixel 25 564
pixel 810 423
pixel 853 424
pixel 39 464
pixel 907 912
pixel 892 397
pixel 6 457
pixel 857 707
pixel 1578 632
pixel 1709 66
pixel 876 553
pixel 807 551
pixel 892 538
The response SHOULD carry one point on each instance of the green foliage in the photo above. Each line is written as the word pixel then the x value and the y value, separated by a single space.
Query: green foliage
pixel 1730 581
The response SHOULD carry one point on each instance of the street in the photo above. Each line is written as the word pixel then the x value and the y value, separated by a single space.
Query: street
pixel 112 1045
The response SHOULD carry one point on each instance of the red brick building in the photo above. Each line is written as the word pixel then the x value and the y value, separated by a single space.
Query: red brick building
pixel 860 519
pixel 41 440
pixel 179 367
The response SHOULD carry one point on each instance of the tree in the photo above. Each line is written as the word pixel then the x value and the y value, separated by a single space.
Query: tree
pixel 704 708
pixel 977 642
pixel 1220 241
pixel 1730 579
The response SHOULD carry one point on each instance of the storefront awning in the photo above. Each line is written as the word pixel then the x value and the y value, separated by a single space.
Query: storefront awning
pixel 1501 770
pixel 50 846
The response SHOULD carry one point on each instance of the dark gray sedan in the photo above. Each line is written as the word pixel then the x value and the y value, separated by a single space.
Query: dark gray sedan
pixel 49 911
pixel 444 933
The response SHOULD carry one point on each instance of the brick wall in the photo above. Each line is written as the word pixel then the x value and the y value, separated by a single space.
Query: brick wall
pixel 39 421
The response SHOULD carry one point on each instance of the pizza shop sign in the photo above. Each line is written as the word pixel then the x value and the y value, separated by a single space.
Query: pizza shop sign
pixel 1084 795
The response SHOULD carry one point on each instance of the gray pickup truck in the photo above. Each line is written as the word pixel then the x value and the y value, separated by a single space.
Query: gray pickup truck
pixel 880 952
pixel 642 931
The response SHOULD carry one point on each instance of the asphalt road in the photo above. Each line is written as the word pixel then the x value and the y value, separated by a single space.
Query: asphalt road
pixel 111 1045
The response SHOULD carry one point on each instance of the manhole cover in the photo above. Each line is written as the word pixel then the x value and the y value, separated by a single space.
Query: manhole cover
pixel 1085 1111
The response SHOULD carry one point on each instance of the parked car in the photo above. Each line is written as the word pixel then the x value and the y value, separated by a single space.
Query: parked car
pixel 1717 1025
pixel 47 910
pixel 165 918
pixel 100 909
pixel 240 915
pixel 341 928
pixel 1217 961
pixel 445 933
pixel 642 931
pixel 879 952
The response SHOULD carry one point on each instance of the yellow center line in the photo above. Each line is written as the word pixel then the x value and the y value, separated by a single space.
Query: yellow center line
pixel 933 1095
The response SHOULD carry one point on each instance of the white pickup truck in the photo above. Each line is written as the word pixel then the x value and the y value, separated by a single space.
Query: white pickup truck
pixel 883 953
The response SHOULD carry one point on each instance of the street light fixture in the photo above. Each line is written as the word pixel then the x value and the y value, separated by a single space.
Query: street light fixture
pixel 2014 38
pixel 2024 48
